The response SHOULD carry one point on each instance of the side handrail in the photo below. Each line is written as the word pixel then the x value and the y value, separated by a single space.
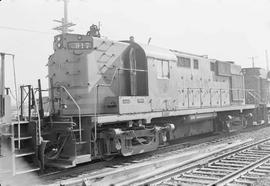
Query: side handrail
pixel 257 94
pixel 257 97
pixel 79 110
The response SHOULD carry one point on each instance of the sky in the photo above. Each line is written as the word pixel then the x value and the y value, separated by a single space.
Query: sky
pixel 232 30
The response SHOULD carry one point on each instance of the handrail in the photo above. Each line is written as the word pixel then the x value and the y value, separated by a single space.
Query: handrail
pixel 17 104
pixel 79 109
pixel 110 84
pixel 62 122
pixel 258 98
pixel 95 114
pixel 257 94
pixel 114 74
pixel 39 121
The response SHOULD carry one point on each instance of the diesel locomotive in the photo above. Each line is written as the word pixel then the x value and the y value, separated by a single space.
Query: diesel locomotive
pixel 108 98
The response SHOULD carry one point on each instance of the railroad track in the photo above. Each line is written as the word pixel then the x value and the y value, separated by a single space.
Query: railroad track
pixel 119 166
pixel 235 168
pixel 115 167
pixel 120 175
pixel 119 162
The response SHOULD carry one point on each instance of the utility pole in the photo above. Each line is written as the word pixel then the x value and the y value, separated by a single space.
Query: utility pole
pixel 2 85
pixel 253 60
pixel 65 25
pixel 266 59
pixel 65 13
pixel 2 81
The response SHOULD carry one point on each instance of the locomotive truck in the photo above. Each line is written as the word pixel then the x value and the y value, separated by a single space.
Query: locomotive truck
pixel 110 98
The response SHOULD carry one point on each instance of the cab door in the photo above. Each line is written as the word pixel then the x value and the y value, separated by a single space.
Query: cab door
pixel 136 71
pixel 133 72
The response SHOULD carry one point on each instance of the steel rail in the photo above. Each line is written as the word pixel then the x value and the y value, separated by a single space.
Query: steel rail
pixel 176 170
pixel 89 175
pixel 55 175
pixel 230 177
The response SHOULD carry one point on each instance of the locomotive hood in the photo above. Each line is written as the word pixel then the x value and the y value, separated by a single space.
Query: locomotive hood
pixel 157 52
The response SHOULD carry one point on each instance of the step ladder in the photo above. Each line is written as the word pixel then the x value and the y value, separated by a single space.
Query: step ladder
pixel 81 143
pixel 5 153
pixel 22 147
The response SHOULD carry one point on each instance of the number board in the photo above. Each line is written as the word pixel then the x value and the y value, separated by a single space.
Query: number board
pixel 82 45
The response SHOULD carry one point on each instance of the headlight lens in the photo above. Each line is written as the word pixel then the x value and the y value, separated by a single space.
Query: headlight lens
pixel 59 45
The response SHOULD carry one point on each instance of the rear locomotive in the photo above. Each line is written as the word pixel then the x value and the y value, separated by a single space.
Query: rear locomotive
pixel 258 84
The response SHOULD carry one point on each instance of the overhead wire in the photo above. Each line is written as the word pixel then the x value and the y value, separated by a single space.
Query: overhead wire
pixel 24 30
pixel 32 31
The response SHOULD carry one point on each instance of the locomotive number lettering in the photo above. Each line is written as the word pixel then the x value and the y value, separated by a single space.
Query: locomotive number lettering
pixel 80 45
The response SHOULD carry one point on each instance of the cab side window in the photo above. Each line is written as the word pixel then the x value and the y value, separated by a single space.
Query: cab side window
pixel 183 62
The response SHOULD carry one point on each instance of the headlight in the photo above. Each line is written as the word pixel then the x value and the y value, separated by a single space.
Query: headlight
pixel 59 45
pixel 58 38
